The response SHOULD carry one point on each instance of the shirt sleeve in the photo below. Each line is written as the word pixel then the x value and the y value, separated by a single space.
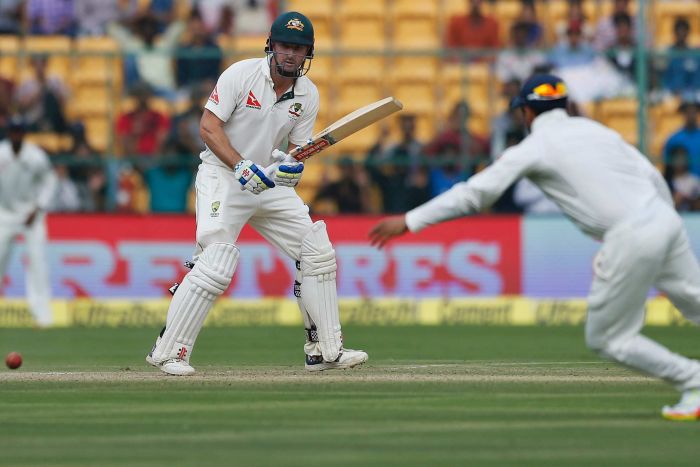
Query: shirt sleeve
pixel 304 127
pixel 222 100
pixel 477 193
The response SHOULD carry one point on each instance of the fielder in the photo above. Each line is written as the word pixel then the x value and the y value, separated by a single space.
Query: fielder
pixel 612 193
pixel 27 183
pixel 255 106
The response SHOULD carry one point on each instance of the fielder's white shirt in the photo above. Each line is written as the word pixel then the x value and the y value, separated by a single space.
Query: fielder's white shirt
pixel 256 121
pixel 27 181
pixel 593 175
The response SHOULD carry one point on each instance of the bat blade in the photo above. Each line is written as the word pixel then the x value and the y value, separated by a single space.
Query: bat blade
pixel 346 126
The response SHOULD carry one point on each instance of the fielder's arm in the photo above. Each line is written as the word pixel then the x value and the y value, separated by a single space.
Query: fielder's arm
pixel 211 129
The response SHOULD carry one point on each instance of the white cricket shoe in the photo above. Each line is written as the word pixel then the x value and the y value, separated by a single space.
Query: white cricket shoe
pixel 348 358
pixel 688 409
pixel 173 366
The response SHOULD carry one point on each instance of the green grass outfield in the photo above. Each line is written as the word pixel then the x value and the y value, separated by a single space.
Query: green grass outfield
pixel 433 396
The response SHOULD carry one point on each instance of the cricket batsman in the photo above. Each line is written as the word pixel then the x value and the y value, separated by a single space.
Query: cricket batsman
pixel 27 184
pixel 612 193
pixel 258 104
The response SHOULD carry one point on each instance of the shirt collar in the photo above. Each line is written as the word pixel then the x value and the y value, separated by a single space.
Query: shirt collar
pixel 550 117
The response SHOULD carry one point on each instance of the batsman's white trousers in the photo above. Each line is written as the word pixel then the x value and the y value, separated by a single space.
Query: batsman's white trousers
pixel 278 214
pixel 649 248
pixel 37 273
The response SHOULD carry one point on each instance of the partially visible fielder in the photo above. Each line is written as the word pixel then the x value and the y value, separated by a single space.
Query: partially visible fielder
pixel 611 192
pixel 255 105
pixel 27 183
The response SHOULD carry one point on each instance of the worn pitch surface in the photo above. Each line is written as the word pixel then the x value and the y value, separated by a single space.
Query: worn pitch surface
pixel 428 396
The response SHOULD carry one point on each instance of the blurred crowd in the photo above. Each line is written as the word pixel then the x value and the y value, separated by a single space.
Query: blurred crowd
pixel 175 58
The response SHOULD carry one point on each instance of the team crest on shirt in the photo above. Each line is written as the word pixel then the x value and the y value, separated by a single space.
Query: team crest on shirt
pixel 295 110
pixel 295 23
pixel 215 209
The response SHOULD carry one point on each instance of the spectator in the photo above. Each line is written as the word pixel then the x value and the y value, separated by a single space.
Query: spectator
pixel 684 185
pixel 199 58
pixel 606 32
pixel 41 99
pixel 683 73
pixel 162 11
pixel 472 147
pixel 11 16
pixel 350 194
pixel 143 131
pixel 519 61
pixel 450 168
pixel 574 51
pixel 47 17
pixel 150 56
pixel 510 120
pixel 392 169
pixel 251 17
pixel 474 30
pixel 574 15
pixel 184 136
pixel 528 16
pixel 87 172
pixel 93 16
pixel 6 92
pixel 687 137
pixel 168 184
pixel 236 17
pixel 622 53
pixel 65 197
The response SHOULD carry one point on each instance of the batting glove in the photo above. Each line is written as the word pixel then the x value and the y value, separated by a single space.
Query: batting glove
pixel 251 177
pixel 289 171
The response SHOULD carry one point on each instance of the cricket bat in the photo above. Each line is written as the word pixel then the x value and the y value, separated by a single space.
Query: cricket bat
pixel 341 129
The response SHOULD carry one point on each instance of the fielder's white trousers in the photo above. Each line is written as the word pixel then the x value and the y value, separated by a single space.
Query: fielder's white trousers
pixel 37 273
pixel 649 248
pixel 278 214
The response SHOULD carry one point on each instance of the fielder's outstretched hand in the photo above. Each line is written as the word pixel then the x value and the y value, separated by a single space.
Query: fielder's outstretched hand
pixel 251 177
pixel 387 229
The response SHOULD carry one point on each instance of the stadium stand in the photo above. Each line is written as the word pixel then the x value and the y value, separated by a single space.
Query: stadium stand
pixel 365 50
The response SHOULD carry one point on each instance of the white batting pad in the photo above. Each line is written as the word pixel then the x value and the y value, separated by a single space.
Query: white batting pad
pixel 311 346
pixel 208 279
pixel 318 291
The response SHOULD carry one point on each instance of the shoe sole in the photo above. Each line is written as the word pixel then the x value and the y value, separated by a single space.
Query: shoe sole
pixel 333 366
pixel 677 417
pixel 151 362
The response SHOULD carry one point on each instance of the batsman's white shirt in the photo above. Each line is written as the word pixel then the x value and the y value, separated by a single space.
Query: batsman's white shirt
pixel 256 121
pixel 27 181
pixel 612 192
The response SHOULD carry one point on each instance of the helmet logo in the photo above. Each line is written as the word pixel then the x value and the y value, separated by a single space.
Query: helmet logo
pixel 295 23
pixel 546 92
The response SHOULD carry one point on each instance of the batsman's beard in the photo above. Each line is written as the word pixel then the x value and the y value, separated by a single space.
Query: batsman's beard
pixel 301 70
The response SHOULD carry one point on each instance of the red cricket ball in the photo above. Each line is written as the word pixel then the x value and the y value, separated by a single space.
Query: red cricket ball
pixel 13 360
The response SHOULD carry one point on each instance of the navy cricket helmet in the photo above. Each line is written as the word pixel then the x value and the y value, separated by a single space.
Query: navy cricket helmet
pixel 542 92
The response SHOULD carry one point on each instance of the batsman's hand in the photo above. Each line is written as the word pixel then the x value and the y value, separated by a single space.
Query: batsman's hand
pixel 251 177
pixel 387 229
pixel 288 172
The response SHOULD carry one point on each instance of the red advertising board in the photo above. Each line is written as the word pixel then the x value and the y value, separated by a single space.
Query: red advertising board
pixel 140 256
